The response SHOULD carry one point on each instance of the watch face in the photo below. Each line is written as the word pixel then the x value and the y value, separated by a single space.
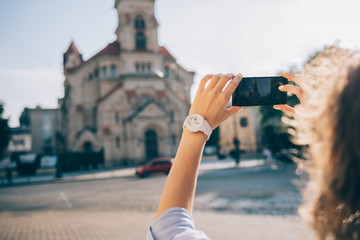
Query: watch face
pixel 193 122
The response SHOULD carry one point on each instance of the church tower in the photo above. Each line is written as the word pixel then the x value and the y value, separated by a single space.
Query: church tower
pixel 137 28
pixel 129 100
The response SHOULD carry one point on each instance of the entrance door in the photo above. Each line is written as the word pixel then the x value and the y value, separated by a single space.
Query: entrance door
pixel 151 144
pixel 88 147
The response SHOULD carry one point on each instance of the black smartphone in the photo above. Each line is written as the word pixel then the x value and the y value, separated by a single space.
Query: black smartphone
pixel 256 91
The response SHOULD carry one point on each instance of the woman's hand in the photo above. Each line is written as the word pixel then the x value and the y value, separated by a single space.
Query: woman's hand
pixel 211 101
pixel 296 90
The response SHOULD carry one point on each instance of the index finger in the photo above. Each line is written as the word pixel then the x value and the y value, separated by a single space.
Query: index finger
pixel 285 108
pixel 291 77
pixel 230 88
pixel 204 81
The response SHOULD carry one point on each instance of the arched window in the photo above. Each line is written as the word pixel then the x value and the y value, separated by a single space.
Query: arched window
pixel 105 72
pixel 117 117
pixel 151 144
pixel 144 99
pixel 139 23
pixel 88 147
pixel 113 71
pixel 140 41
pixel 117 140
pixel 167 71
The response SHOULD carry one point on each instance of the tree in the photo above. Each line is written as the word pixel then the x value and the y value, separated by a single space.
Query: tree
pixel 1 109
pixel 4 131
pixel 25 118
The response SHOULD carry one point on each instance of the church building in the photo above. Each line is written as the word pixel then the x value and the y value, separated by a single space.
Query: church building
pixel 130 99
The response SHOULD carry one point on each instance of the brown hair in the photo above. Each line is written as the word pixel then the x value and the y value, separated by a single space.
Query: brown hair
pixel 329 122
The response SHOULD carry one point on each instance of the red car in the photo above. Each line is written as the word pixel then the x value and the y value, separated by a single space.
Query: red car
pixel 156 165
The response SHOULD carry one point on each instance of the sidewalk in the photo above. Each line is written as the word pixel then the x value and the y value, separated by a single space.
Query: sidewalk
pixel 209 163
pixel 111 225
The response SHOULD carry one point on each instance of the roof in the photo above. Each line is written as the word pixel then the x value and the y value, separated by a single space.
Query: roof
pixel 111 49
pixel 72 49
pixel 141 108
pixel 165 52
pixel 155 20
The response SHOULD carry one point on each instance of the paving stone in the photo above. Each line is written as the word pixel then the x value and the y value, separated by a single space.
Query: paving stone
pixel 111 225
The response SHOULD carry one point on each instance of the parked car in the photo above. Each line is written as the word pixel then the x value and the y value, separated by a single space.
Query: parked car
pixel 156 165
pixel 48 161
pixel 28 163
pixel 6 163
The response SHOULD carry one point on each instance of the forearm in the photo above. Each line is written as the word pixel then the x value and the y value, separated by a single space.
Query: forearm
pixel 180 187
pixel 210 102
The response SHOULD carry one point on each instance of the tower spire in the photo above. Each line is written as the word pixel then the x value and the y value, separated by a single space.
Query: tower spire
pixel 72 57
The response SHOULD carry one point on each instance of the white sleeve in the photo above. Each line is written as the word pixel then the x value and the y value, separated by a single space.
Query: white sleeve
pixel 175 224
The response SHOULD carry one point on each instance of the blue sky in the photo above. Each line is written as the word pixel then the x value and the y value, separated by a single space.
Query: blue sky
pixel 254 37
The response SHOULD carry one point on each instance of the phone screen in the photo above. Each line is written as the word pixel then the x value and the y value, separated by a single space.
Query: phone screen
pixel 255 91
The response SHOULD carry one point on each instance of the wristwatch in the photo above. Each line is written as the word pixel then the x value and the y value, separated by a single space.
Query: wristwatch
pixel 197 123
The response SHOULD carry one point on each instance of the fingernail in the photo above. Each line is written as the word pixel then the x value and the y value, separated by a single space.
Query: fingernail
pixel 229 75
pixel 219 74
pixel 277 108
pixel 282 73
pixel 281 87
pixel 237 78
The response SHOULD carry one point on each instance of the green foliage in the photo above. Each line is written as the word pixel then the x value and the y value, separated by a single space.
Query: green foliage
pixel 1 108
pixel 4 132
pixel 25 118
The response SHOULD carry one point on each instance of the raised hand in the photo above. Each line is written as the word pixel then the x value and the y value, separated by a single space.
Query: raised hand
pixel 211 100
pixel 296 90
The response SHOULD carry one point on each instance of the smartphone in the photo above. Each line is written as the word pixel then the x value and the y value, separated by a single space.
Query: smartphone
pixel 256 91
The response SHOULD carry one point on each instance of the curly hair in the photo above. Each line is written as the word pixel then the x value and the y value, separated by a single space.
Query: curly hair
pixel 328 121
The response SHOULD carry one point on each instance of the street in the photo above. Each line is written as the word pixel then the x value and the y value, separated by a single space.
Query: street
pixel 230 202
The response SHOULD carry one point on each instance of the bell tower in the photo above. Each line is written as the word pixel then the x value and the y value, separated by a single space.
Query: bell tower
pixel 137 27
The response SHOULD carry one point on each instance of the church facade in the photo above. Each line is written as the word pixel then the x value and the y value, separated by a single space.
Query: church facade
pixel 130 99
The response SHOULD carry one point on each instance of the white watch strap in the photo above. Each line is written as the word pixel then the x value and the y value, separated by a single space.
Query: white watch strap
pixel 205 128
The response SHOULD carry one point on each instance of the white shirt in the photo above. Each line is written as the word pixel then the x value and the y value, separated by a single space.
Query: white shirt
pixel 175 224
